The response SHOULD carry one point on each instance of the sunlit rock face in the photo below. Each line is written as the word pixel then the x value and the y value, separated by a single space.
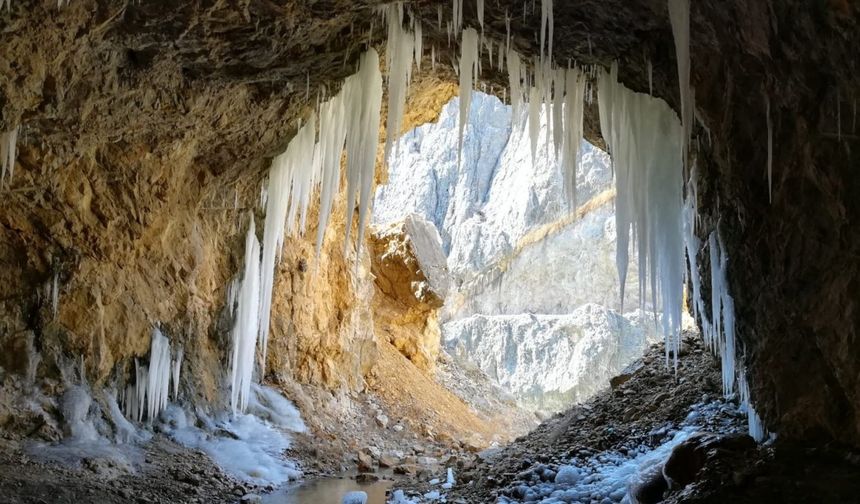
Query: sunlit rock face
pixel 498 193
pixel 551 361
pixel 536 291
pixel 411 280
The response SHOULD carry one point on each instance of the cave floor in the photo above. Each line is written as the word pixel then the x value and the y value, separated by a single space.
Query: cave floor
pixel 650 403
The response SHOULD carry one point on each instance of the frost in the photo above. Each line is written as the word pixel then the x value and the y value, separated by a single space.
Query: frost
pixel 8 140
pixel 468 76
pixel 245 330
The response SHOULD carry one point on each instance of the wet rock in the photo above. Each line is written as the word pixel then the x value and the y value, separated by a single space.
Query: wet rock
pixel 388 461
pixel 251 499
pixel 366 478
pixel 650 487
pixel 365 462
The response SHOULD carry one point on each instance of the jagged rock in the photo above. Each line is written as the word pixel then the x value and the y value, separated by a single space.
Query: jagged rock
pixel 382 421
pixel 388 461
pixel 411 279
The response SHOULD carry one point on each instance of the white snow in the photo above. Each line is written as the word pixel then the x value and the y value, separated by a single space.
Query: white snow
pixel 252 451
pixel 355 497
pixel 549 362
pixel 567 475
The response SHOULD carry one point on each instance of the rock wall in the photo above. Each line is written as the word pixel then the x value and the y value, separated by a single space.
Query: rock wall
pixel 411 280
pixel 552 361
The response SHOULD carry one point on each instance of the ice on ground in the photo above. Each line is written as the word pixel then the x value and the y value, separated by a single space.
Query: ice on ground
pixel 246 446
pixel 357 497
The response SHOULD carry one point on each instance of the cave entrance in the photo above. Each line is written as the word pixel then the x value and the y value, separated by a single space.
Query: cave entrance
pixel 521 280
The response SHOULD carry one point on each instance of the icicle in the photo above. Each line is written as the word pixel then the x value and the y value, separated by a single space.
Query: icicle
pixel 643 135
pixel 399 55
pixel 8 147
pixel 534 119
pixel 650 79
pixel 573 115
pixel 514 79
pixel 507 33
pixel 481 15
pixel 546 29
pixel 177 368
pixel 458 15
pixel 245 330
pixel 158 378
pixel 679 16
pixel 439 17
pixel 55 294
pixel 769 150
pixel 468 76
pixel 419 45
pixel 490 53
pixel 433 57
pixel 361 141
pixel 558 87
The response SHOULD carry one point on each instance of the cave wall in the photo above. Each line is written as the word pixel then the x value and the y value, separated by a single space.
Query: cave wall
pixel 144 124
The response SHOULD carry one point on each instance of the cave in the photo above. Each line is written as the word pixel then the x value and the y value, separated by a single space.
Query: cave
pixel 190 264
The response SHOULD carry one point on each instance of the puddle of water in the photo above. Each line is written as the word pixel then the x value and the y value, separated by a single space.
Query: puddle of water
pixel 327 491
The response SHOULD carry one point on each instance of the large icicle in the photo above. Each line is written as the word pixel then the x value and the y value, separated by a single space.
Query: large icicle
pixel 643 135
pixel 363 109
pixel 158 379
pixel 333 123
pixel 546 29
pixel 468 76
pixel 399 54
pixel 573 115
pixel 245 329
pixel 290 182
pixel 8 147
pixel 176 369
pixel 515 77
pixel 679 16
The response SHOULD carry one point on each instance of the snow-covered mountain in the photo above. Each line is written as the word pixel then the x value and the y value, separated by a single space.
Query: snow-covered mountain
pixel 535 299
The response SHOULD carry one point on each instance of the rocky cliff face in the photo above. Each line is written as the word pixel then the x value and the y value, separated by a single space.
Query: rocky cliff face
pixel 141 122
pixel 528 269
pixel 412 281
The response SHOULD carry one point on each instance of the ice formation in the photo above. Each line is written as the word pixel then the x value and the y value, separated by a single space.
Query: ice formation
pixel 8 141
pixel 148 397
pixel 769 151
pixel 679 16
pixel 546 29
pixel 643 136
pixel 572 136
pixel 245 330
pixel 468 76
pixel 481 17
pixel 400 51
pixel 515 77
pixel 158 380
pixel 458 15
pixel 176 368
pixel 290 178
